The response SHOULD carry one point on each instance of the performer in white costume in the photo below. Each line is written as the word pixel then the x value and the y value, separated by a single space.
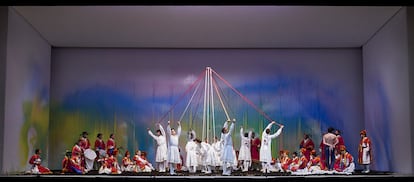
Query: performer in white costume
pixel 208 157
pixel 161 154
pixel 173 152
pixel 191 161
pixel 265 149
pixel 227 155
pixel 217 146
pixel 245 156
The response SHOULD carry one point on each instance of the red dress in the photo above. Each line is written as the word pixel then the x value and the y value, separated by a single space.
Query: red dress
pixel 340 143
pixel 309 146
pixel 254 149
pixel 322 147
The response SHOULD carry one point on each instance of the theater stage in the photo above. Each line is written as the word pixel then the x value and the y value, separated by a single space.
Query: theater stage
pixel 236 176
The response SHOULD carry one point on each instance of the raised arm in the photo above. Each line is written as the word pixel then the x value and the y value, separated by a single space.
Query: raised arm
pixel 151 134
pixel 231 127
pixel 169 129
pixel 225 125
pixel 179 129
pixel 278 132
pixel 161 129
pixel 241 132
pixel 268 126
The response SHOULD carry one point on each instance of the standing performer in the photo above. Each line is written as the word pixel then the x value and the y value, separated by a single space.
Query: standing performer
pixel 111 145
pixel 191 148
pixel 36 161
pixel 161 154
pixel 173 152
pixel 266 146
pixel 100 149
pixel 227 155
pixel 209 156
pixel 308 145
pixel 364 151
pixel 217 148
pixel 329 140
pixel 254 149
pixel 244 154
pixel 340 140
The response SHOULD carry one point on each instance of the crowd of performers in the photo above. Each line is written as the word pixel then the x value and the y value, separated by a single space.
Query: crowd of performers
pixel 254 154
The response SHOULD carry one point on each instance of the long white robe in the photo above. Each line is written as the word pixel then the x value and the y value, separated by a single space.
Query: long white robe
pixel 161 154
pixel 209 158
pixel 244 152
pixel 266 145
pixel 217 147
pixel 227 154
pixel 192 157
pixel 173 152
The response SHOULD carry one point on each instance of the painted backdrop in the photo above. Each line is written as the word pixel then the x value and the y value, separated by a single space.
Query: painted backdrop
pixel 126 91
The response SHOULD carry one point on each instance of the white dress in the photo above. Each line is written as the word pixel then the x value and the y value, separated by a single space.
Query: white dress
pixel 265 149
pixel 227 154
pixel 173 152
pixel 209 155
pixel 217 147
pixel 192 157
pixel 161 154
pixel 244 152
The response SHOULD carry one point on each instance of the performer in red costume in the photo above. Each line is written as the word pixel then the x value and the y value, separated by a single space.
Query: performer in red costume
pixel 308 145
pixel 254 150
pixel 111 145
pixel 36 161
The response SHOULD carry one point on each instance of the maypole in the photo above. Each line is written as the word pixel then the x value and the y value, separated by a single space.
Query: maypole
pixel 205 102
pixel 212 107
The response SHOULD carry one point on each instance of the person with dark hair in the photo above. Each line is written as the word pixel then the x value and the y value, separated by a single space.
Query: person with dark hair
pixel 245 156
pixel 36 167
pixel 161 153
pixel 191 148
pixel 173 152
pixel 111 145
pixel 77 149
pixel 127 164
pixel 227 155
pixel 85 144
pixel 100 150
pixel 308 145
pixel 254 150
pixel 266 146
pixel 340 140
pixel 329 141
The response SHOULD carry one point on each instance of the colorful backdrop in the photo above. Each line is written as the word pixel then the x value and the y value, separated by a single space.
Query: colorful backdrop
pixel 126 91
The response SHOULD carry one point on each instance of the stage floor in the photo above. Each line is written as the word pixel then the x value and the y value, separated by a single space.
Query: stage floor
pixel 185 176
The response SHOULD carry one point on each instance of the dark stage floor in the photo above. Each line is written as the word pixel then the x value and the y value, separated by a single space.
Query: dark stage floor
pixel 185 176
